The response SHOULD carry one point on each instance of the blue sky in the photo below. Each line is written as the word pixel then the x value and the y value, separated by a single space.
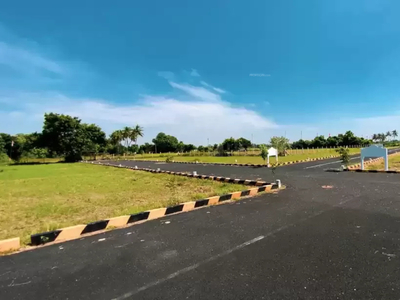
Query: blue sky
pixel 203 69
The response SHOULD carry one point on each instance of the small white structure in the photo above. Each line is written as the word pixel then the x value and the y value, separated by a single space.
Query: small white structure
pixel 375 151
pixel 272 152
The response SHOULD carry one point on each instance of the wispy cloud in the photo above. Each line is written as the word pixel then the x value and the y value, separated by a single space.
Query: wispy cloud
pixel 221 91
pixel 197 92
pixel 23 60
pixel 194 73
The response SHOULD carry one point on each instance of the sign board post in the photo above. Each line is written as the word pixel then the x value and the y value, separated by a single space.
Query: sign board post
pixel 375 151
pixel 272 152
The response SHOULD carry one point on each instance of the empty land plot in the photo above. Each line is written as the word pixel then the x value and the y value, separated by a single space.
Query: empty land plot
pixel 394 163
pixel 244 159
pixel 37 198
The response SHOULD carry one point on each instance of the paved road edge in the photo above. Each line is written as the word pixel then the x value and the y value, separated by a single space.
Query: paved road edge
pixel 77 231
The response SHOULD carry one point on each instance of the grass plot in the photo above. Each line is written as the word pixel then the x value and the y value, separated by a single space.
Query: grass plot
pixel 37 198
pixel 246 159
pixel 394 163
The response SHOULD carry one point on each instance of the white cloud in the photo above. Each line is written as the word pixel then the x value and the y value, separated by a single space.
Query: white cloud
pixel 195 91
pixel 194 73
pixel 192 121
pixel 218 90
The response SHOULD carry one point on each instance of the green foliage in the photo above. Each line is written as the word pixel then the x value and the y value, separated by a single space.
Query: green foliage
pixel 344 155
pixel 2 145
pixel 232 144
pixel 383 137
pixel 169 158
pixel 4 159
pixel 128 136
pixel 67 136
pixel 165 143
pixel 147 148
pixel 347 139
pixel 280 143
pixel 221 151
pixel 244 143
pixel 264 152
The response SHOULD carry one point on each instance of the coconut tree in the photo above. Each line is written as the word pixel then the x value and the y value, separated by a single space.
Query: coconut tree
pixel 127 136
pixel 388 134
pixel 136 132
pixel 116 138
pixel 394 133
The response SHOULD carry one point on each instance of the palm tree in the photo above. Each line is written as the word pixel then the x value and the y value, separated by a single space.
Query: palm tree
pixel 375 137
pixel 136 132
pixel 388 134
pixel 394 133
pixel 127 136
pixel 116 137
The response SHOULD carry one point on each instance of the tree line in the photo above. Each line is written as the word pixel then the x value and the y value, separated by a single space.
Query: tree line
pixel 70 138
pixel 383 137
pixel 340 140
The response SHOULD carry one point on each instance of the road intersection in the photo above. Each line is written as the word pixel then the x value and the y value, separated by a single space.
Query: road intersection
pixel 327 235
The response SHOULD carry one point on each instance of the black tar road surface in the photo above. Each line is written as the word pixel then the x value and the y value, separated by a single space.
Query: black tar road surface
pixel 306 242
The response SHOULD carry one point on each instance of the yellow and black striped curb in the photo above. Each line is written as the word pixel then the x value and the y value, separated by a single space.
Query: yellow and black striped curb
pixel 186 174
pixel 79 230
pixel 242 165
pixel 368 162
pixel 373 171
pixel 356 167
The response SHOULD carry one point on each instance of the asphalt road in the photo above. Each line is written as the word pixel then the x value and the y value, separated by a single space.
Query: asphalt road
pixel 306 242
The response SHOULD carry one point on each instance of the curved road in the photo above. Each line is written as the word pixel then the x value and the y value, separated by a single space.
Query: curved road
pixel 305 242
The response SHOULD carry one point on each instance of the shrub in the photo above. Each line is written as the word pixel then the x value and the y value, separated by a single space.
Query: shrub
pixel 264 152
pixel 169 158
pixel 344 155
pixel 4 159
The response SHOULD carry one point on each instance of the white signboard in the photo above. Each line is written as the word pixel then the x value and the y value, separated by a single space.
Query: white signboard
pixel 272 152
pixel 374 151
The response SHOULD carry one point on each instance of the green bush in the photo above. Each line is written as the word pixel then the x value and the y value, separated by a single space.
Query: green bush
pixel 4 159
pixel 344 155
pixel 169 158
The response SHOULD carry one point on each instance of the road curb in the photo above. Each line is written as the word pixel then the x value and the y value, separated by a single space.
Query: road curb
pixel 186 174
pixel 10 245
pixel 368 162
pixel 77 231
pixel 356 167
pixel 80 230
pixel 372 171
pixel 240 165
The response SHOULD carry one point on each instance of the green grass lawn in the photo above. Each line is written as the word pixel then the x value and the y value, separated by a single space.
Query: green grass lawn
pixel 248 159
pixel 37 198
pixel 394 163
